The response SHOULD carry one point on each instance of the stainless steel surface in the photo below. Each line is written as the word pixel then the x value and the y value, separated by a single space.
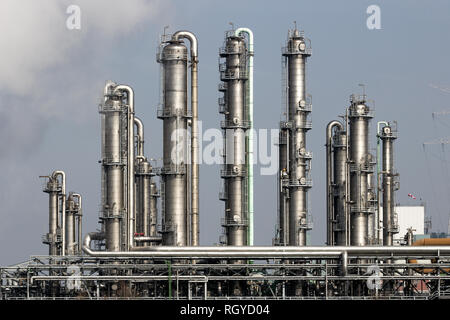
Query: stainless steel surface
pixel 130 162
pixel 297 175
pixel 336 163
pixel 360 166
pixel 79 207
pixel 118 211
pixel 114 198
pixel 233 73
pixel 70 225
pixel 175 116
pixel 153 221
pixel 140 137
pixel 195 227
pixel 52 238
pixel 143 197
pixel 267 251
pixel 283 199
pixel 340 176
pixel 388 136
pixel 146 193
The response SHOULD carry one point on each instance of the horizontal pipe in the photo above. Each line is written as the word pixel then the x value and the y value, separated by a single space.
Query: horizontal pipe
pixel 147 239
pixel 191 278
pixel 266 252
pixel 431 242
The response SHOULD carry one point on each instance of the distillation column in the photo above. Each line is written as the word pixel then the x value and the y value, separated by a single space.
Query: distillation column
pixel 336 148
pixel 233 73
pixel 360 167
pixel 57 202
pixel 295 174
pixel 64 232
pixel 387 136
pixel 117 114
pixel 179 187
pixel 146 194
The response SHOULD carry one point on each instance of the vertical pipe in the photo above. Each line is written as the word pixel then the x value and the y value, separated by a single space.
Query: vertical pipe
pixel 387 135
pixel 282 192
pixel 62 196
pixel 52 188
pixel 360 167
pixel 114 195
pixel 297 52
pixel 140 137
pixel 195 218
pixel 234 73
pixel 80 225
pixel 153 232
pixel 195 230
pixel 130 162
pixel 249 96
pixel 70 225
pixel 331 215
pixel 379 187
pixel 175 116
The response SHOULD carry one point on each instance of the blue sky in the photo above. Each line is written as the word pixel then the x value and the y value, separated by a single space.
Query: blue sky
pixel 53 78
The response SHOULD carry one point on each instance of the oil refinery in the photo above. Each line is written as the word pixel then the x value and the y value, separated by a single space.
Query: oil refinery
pixel 147 245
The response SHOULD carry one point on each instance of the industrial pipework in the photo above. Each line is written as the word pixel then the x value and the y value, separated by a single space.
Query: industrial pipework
pixel 64 233
pixel 295 160
pixel 73 223
pixel 179 187
pixel 235 106
pixel 146 194
pixel 351 197
pixel 249 136
pixel 336 163
pixel 361 165
pixel 118 176
pixel 387 134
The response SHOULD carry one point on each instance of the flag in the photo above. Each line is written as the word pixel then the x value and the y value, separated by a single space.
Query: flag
pixel 411 196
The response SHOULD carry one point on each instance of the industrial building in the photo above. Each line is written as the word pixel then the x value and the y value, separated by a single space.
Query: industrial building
pixel 147 246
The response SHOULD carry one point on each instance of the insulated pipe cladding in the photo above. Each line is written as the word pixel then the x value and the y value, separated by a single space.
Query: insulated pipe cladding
pixel 56 189
pixel 351 197
pixel 295 160
pixel 234 105
pixel 336 164
pixel 64 235
pixel 179 187
pixel 146 193
pixel 388 134
pixel 360 170
pixel 118 210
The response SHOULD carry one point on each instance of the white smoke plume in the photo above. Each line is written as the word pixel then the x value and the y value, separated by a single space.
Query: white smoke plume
pixel 50 74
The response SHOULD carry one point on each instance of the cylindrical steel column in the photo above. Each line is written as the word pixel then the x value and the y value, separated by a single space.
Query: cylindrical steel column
pixel 52 188
pixel 360 166
pixel 113 170
pixel 234 73
pixel 70 225
pixel 334 172
pixel 174 113
pixel 79 211
pixel 283 199
pixel 340 184
pixel 153 218
pixel 388 136
pixel 298 178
